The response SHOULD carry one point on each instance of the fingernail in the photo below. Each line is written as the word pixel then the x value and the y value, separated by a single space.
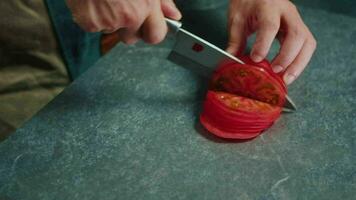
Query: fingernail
pixel 256 58
pixel 289 78
pixel 276 69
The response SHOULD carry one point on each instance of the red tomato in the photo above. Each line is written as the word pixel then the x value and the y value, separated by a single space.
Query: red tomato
pixel 243 100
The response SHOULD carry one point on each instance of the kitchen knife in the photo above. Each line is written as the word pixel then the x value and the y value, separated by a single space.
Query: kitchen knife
pixel 202 57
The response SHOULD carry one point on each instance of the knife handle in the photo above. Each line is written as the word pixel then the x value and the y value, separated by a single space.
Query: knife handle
pixel 173 25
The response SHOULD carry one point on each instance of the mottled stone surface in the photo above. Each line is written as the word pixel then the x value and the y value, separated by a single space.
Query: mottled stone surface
pixel 127 129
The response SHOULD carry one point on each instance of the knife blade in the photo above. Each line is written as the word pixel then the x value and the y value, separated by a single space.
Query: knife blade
pixel 200 56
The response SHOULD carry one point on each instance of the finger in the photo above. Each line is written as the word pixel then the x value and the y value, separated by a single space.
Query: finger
pixel 290 48
pixel 301 61
pixel 268 26
pixel 128 37
pixel 237 35
pixel 170 10
pixel 154 29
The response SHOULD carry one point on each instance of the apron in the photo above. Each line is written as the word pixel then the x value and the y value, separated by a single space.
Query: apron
pixel 41 51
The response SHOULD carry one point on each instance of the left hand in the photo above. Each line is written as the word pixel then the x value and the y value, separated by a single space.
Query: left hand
pixel 271 19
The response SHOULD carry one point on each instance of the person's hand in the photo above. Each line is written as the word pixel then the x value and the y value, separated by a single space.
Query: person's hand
pixel 133 19
pixel 270 19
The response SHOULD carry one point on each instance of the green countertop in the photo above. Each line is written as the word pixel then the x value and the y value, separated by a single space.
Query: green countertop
pixel 128 129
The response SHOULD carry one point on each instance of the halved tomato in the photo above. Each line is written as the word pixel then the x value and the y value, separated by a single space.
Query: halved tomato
pixel 267 66
pixel 243 100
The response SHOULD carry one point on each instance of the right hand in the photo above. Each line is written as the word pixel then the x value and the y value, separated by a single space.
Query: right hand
pixel 132 19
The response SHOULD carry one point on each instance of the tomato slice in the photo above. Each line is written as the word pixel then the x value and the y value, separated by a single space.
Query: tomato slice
pixel 235 124
pixel 243 100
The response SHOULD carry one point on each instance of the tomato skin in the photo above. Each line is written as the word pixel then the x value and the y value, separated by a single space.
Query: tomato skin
pixel 243 100
pixel 227 133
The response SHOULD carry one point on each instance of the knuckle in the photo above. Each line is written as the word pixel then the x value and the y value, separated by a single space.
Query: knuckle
pixel 292 7
pixel 271 25
pixel 258 47
pixel 288 6
pixel 297 32
pixel 283 59
pixel 261 47
pixel 130 19
pixel 313 43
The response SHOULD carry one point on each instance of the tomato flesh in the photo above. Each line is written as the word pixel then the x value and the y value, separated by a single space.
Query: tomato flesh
pixel 264 64
pixel 248 81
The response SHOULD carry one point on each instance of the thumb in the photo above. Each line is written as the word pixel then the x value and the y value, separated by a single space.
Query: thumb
pixel 170 10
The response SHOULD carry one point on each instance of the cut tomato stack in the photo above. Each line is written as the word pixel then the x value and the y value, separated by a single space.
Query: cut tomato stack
pixel 243 100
